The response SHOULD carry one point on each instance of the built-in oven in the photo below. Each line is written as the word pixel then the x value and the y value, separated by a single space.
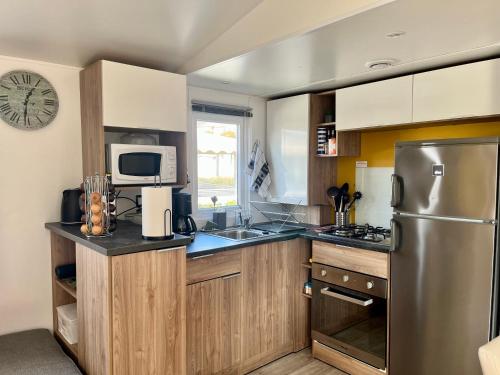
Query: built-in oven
pixel 349 313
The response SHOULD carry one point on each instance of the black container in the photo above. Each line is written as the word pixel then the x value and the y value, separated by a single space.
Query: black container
pixel 70 207
pixel 182 204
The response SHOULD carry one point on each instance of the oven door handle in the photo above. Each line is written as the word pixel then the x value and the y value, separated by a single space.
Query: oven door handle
pixel 326 291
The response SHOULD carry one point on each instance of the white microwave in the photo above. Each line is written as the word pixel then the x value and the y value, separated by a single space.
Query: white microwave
pixel 139 164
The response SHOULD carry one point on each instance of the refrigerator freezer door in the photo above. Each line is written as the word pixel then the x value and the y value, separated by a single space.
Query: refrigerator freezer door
pixel 440 306
pixel 457 180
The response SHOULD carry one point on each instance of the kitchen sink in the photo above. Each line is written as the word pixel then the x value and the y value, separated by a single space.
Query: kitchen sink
pixel 240 234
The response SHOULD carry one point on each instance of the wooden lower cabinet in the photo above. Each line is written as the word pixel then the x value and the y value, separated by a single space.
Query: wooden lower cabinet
pixel 132 312
pixel 137 315
pixel 149 313
pixel 239 322
pixel 268 300
pixel 213 326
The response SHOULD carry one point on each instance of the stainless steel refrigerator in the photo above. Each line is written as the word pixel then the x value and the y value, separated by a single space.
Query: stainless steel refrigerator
pixel 444 281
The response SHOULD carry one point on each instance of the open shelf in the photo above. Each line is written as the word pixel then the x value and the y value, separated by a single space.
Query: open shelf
pixel 307 265
pixel 73 348
pixel 326 156
pixel 306 295
pixel 67 287
pixel 326 123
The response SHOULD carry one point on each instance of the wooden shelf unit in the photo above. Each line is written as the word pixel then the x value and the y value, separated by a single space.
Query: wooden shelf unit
pixel 323 168
pixel 62 252
pixel 72 348
pixel 305 275
pixel 64 285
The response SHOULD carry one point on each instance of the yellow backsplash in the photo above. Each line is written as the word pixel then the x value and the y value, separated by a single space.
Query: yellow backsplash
pixel 377 146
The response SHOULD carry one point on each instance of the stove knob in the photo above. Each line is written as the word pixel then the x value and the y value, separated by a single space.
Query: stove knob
pixel 370 285
pixel 323 272
pixel 345 278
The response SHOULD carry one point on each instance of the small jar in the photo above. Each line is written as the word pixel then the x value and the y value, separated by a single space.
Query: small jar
pixel 308 288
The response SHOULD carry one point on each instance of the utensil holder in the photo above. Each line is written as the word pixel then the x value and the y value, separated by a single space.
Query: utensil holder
pixel 341 218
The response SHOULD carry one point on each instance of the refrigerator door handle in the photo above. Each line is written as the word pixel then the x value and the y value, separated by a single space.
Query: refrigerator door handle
pixel 395 235
pixel 396 190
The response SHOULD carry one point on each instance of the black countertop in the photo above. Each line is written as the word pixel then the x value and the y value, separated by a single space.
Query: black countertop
pixel 205 244
pixel 127 239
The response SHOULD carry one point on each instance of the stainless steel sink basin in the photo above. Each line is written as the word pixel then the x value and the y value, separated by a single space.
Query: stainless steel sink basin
pixel 240 234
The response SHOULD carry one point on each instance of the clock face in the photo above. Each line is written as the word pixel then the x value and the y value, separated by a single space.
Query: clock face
pixel 27 100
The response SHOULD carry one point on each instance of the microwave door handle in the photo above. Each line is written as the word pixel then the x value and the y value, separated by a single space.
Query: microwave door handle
pixel 326 291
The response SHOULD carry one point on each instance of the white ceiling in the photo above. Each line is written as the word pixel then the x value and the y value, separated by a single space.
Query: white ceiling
pixel 160 34
pixel 438 33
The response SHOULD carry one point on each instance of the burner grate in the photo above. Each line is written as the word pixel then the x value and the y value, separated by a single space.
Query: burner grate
pixel 361 232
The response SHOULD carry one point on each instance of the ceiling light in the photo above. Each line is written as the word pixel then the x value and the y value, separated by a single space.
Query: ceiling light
pixel 380 64
pixel 395 34
pixel 226 82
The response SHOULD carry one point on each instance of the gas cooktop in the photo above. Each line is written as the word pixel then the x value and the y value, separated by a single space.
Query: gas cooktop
pixel 359 232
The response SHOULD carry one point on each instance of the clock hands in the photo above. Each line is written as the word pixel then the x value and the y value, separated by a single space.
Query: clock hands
pixel 26 105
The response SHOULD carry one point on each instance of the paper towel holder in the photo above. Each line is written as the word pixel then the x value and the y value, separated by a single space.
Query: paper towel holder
pixel 165 237
pixel 167 211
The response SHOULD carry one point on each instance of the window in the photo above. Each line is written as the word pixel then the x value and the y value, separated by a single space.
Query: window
pixel 218 161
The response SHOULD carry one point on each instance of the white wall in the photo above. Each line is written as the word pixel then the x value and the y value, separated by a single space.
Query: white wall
pixel 35 167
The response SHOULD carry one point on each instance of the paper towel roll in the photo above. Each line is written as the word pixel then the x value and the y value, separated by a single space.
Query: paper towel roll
pixel 155 200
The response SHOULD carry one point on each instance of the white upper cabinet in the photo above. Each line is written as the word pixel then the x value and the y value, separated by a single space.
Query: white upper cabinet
pixel 287 140
pixel 463 91
pixel 135 97
pixel 375 104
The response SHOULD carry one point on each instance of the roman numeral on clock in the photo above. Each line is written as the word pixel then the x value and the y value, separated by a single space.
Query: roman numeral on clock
pixel 47 112
pixel 46 91
pixel 5 87
pixel 15 117
pixel 15 80
pixel 47 102
pixel 4 98
pixel 5 107
pixel 26 79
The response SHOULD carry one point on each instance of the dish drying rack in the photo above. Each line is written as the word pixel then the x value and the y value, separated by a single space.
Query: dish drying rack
pixel 280 215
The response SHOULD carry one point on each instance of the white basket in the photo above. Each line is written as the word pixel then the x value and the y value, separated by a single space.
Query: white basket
pixel 67 322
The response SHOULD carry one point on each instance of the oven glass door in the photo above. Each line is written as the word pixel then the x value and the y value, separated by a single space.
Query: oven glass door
pixel 351 322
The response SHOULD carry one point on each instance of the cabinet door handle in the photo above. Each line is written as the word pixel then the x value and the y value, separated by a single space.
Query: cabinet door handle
pixel 344 246
pixel 170 249
pixel 202 256
pixel 231 276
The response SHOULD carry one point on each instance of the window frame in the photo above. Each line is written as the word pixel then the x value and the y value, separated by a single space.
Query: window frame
pixel 241 155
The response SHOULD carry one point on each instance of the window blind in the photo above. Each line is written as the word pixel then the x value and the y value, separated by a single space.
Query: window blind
pixel 221 109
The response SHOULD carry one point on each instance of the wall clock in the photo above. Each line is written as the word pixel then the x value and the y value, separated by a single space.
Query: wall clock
pixel 27 100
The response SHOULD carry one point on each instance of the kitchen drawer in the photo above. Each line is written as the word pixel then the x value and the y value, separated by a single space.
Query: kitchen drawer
pixel 211 266
pixel 358 260
pixel 368 284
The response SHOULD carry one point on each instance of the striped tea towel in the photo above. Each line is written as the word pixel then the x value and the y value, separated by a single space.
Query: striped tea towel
pixel 258 169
